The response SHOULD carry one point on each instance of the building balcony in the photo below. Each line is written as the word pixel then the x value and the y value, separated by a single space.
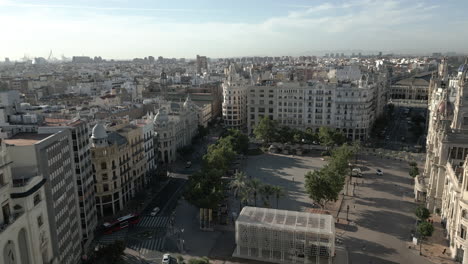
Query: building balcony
pixel 10 221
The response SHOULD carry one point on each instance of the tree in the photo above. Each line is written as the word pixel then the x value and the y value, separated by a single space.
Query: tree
pixel 278 192
pixel 266 129
pixel 425 229
pixel 422 213
pixel 202 131
pixel 324 185
pixel 266 191
pixel 180 260
pixel 413 164
pixel 255 185
pixel 199 261
pixel 284 135
pixel 219 155
pixel 238 184
pixel 414 171
pixel 205 188
pixel 239 141
pixel 326 137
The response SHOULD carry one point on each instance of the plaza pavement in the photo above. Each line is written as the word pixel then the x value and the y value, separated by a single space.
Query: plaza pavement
pixel 381 214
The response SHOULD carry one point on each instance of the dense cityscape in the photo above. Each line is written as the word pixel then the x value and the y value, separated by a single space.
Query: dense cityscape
pixel 249 132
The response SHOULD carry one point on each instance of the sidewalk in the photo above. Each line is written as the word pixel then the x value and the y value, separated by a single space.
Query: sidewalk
pixel 433 247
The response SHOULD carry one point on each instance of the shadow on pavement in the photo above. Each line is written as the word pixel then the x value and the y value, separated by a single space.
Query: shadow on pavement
pixel 390 204
pixel 367 259
pixel 346 227
pixel 386 222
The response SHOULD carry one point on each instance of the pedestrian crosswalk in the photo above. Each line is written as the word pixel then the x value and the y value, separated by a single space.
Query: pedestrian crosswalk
pixel 109 239
pixel 158 221
pixel 147 246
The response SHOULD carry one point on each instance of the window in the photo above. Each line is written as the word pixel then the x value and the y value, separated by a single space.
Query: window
pixel 463 231
pixel 103 166
pixel 105 187
pixel 37 199
pixel 104 177
pixel 2 180
pixel 39 221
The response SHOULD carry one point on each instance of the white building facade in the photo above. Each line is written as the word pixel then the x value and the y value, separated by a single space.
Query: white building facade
pixel 175 125
pixel 446 168
pixel 235 98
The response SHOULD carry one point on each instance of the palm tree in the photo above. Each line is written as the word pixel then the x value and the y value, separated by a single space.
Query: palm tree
pixel 255 185
pixel 239 184
pixel 244 197
pixel 266 190
pixel 278 192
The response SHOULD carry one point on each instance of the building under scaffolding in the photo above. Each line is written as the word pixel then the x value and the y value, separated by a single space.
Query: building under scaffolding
pixel 282 236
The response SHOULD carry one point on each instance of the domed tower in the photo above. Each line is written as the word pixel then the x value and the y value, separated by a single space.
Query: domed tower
pixel 163 83
pixel 99 136
pixel 161 118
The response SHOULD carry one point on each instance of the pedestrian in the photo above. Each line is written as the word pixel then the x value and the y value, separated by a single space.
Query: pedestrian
pixel 293 179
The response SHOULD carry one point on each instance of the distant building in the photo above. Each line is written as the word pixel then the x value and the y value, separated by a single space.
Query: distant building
pixel 202 64
pixel 411 88
pixel 81 59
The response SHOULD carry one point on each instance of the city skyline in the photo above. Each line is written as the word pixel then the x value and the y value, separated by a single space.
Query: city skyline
pixel 121 29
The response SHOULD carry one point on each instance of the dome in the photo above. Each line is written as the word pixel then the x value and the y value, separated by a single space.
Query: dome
pixel 99 132
pixel 445 108
pixel 161 116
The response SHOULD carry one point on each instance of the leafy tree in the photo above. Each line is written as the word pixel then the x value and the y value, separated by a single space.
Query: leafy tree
pixel 325 136
pixel 266 129
pixel 285 134
pixel 199 261
pixel 422 213
pixel 425 229
pixel 255 186
pixel 278 192
pixel 219 155
pixel 180 260
pixel 239 141
pixel 413 164
pixel 324 185
pixel 414 171
pixel 298 136
pixel 205 188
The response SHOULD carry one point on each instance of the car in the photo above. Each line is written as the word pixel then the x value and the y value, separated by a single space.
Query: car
pixel 166 259
pixel 188 164
pixel 379 172
pixel 155 211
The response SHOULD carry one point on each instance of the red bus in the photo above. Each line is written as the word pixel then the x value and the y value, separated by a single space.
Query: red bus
pixel 121 223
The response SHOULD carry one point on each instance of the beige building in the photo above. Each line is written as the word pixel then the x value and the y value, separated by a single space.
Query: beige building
pixel 111 162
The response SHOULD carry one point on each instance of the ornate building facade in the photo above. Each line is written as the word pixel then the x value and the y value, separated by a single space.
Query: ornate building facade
pixel 444 179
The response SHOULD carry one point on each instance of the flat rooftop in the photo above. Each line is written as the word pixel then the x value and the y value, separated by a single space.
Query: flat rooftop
pixel 25 139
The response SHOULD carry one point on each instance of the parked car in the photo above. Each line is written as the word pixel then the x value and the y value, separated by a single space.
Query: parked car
pixel 166 259
pixel 188 164
pixel 379 172
pixel 356 172
pixel 155 211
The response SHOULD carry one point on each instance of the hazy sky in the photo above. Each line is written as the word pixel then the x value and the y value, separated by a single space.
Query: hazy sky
pixel 172 28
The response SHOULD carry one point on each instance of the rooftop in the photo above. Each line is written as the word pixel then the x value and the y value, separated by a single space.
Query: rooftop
pixel 25 139
pixel 288 220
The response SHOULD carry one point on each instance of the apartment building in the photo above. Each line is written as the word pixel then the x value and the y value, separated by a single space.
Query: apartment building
pixel 344 105
pixel 84 177
pixel 175 125
pixel 51 155
pixel 111 163
pixel 147 129
pixel 235 98
pixel 24 223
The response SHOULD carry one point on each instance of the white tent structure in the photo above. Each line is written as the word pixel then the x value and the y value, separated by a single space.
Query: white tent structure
pixel 282 236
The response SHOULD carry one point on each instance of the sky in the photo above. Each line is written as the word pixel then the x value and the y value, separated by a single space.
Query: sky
pixel 122 29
